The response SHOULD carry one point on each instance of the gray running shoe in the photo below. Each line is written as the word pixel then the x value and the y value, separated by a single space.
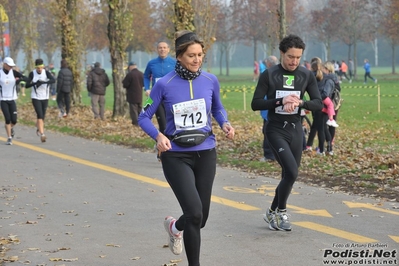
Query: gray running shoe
pixel 9 141
pixel 283 222
pixel 175 242
pixel 270 218
pixel 12 132
pixel 43 138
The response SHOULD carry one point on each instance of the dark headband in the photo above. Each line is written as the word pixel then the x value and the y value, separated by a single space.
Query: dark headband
pixel 188 37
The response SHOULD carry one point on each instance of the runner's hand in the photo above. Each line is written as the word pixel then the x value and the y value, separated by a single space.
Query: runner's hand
pixel 163 143
pixel 228 130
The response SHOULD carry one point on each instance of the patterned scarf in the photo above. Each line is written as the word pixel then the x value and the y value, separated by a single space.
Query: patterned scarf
pixel 186 74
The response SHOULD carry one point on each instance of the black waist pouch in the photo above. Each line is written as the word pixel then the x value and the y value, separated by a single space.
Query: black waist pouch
pixel 190 138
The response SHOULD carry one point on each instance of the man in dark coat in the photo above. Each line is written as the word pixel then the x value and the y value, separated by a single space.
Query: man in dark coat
pixel 134 84
pixel 97 81
pixel 64 88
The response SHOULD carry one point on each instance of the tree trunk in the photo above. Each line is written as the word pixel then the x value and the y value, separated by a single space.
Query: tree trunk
pixel 355 58
pixel 255 50
pixel 393 57
pixel 227 63
pixel 376 51
pixel 118 43
pixel 283 22
pixel 70 50
pixel 221 61
pixel 328 46
pixel 349 51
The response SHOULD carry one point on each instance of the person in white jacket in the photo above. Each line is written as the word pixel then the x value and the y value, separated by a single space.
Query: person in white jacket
pixel 40 80
pixel 8 94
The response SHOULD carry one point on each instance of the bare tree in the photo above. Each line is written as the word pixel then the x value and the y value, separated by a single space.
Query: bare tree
pixel 120 20
pixel 252 15
pixel 325 27
pixel 48 40
pixel 205 20
pixel 356 23
pixel 390 28
pixel 143 26
pixel 226 37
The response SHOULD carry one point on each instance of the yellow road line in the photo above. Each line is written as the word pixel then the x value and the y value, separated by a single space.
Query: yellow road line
pixel 368 206
pixel 223 201
pixel 335 232
pixel 234 204
pixel 94 165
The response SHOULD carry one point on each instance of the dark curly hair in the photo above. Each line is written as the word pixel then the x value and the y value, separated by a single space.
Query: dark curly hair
pixel 291 41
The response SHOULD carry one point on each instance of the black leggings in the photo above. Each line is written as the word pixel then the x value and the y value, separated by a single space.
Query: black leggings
pixel 319 126
pixel 9 109
pixel 191 175
pixel 332 129
pixel 285 139
pixel 40 107
pixel 367 75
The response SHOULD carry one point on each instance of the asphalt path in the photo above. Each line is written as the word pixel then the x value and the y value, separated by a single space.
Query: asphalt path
pixel 73 201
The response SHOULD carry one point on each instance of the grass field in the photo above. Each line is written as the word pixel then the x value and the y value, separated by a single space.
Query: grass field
pixel 359 111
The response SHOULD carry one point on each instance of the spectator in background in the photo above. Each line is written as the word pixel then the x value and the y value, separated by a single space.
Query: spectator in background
pixel 262 66
pixel 156 69
pixel 307 64
pixel 40 80
pixel 351 69
pixel 344 69
pixel 367 73
pixel 267 152
pixel 134 84
pixel 65 84
pixel 53 88
pixel 97 82
pixel 256 71
pixel 329 71
pixel 326 86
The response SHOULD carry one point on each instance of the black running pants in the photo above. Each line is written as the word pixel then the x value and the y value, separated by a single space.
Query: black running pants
pixel 285 139
pixel 191 176
pixel 9 109
pixel 40 107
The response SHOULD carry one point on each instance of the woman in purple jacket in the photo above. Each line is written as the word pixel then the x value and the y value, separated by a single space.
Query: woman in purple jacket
pixel 191 97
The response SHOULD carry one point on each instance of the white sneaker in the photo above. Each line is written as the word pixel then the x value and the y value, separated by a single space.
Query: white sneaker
pixel 43 138
pixel 375 81
pixel 175 241
pixel 332 123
